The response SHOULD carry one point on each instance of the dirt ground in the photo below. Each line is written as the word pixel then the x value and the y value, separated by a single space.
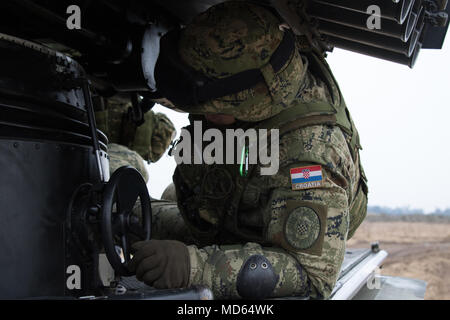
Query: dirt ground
pixel 418 250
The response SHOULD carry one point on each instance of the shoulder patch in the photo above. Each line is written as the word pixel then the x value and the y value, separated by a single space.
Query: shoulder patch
pixel 304 227
pixel 307 177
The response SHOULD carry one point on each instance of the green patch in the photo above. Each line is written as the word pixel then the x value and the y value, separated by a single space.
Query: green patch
pixel 304 227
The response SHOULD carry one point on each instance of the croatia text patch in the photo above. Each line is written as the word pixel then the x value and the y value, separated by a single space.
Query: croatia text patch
pixel 306 177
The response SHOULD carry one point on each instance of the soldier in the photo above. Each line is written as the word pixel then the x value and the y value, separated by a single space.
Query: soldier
pixel 130 144
pixel 258 236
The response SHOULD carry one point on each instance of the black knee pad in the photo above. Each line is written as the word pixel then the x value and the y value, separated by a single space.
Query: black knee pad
pixel 256 279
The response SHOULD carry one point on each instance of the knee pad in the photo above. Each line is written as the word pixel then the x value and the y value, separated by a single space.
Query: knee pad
pixel 256 279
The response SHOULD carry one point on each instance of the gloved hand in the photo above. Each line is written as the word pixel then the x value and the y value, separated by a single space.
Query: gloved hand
pixel 162 264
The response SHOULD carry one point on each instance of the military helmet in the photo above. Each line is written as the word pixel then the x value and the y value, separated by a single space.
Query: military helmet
pixel 150 140
pixel 154 136
pixel 235 38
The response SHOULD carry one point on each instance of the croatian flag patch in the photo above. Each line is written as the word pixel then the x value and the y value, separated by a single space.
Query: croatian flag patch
pixel 306 177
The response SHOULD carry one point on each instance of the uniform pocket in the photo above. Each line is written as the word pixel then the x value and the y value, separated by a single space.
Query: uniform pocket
pixel 358 209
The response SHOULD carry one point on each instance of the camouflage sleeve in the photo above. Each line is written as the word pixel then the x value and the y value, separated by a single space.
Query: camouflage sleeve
pixel 305 229
pixel 120 156
pixel 153 137
pixel 162 136
pixel 142 139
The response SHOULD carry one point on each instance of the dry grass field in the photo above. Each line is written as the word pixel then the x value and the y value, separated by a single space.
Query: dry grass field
pixel 418 250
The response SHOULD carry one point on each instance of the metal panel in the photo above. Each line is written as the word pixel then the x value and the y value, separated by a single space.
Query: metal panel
pixel 349 285
pixel 37 182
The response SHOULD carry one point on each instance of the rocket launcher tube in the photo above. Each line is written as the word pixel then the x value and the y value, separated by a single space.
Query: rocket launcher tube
pixel 369 38
pixel 359 20
pixel 397 10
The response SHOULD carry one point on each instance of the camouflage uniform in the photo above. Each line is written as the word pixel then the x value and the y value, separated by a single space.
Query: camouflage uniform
pixel 120 156
pixel 169 193
pixel 300 233
pixel 150 140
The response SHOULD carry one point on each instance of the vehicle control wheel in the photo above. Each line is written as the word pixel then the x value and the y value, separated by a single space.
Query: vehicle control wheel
pixel 119 220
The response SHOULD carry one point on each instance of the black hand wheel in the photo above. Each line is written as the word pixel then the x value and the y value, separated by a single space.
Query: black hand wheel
pixel 119 224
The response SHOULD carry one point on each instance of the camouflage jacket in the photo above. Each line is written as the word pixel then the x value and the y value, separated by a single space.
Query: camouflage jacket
pixel 120 156
pixel 301 230
pixel 150 140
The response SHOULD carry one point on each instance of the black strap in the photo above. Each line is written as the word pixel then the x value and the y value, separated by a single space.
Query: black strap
pixel 185 86
pixel 284 51
pixel 249 78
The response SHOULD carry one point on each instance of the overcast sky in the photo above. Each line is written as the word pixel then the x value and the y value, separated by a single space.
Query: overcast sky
pixel 403 117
